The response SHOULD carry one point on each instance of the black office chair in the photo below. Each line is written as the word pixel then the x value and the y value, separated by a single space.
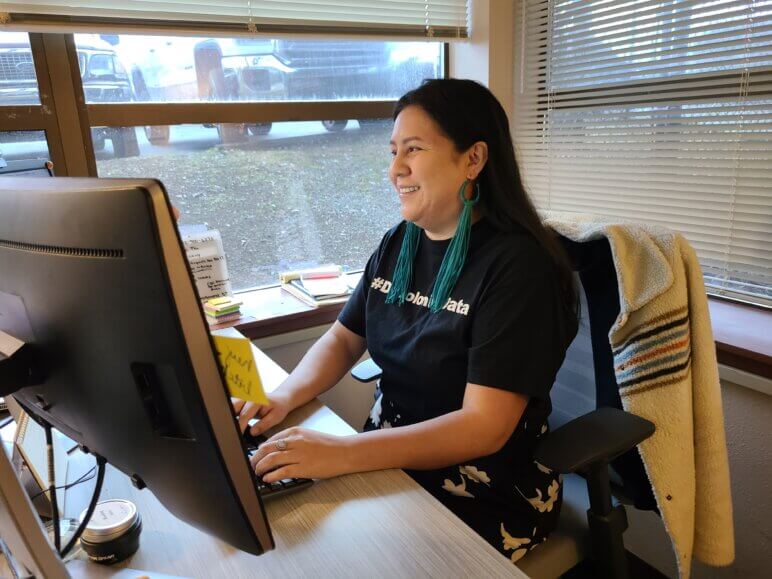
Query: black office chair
pixel 598 446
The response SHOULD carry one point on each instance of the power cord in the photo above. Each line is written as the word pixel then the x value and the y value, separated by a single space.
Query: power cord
pixel 52 486
pixel 100 477
pixel 85 477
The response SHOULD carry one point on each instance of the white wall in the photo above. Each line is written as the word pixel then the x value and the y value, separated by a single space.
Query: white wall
pixel 488 55
pixel 748 420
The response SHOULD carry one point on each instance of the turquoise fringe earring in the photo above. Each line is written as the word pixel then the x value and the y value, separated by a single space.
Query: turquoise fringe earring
pixel 455 256
pixel 452 262
pixel 403 272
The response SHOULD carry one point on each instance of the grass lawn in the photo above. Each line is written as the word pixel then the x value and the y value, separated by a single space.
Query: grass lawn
pixel 281 204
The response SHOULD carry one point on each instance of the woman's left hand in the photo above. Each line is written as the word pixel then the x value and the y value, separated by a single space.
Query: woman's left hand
pixel 301 453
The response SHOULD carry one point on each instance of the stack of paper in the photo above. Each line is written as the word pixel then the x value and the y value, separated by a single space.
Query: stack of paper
pixel 319 286
pixel 206 256
pixel 222 310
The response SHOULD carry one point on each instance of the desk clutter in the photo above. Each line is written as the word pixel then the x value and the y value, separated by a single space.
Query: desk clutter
pixel 206 256
pixel 222 310
pixel 319 286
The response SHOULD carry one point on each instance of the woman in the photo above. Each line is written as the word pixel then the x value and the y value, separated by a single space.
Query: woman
pixel 468 306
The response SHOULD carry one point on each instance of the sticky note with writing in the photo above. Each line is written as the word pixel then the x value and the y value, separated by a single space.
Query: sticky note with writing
pixel 238 365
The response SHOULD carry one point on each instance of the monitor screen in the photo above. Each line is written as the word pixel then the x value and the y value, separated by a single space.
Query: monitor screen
pixel 93 273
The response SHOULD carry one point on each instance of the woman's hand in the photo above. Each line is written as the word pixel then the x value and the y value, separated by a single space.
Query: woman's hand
pixel 270 415
pixel 300 452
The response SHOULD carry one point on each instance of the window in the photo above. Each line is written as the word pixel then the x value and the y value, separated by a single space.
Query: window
pixel 264 120
pixel 183 69
pixel 297 197
pixel 23 153
pixel 18 84
pixel 655 111
pixel 284 195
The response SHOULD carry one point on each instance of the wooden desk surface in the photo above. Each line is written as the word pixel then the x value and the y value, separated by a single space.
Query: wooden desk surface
pixel 378 524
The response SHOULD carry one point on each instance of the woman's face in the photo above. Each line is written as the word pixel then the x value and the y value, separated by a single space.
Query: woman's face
pixel 426 171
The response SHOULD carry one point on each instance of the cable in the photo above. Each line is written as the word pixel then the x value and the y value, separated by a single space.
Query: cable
pixel 90 511
pixel 85 477
pixel 52 485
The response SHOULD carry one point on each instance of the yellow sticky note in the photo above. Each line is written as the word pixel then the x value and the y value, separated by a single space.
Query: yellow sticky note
pixel 238 365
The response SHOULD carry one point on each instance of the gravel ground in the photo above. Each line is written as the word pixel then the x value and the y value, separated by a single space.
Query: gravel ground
pixel 282 204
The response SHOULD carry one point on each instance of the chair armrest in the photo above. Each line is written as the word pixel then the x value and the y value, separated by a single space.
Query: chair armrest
pixel 598 436
pixel 366 371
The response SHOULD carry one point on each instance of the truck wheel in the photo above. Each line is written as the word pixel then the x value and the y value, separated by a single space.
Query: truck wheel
pixel 231 133
pixel 259 128
pixel 98 140
pixel 141 93
pixel 334 126
pixel 158 135
pixel 124 142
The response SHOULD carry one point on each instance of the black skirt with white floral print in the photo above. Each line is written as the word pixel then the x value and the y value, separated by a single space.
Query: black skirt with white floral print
pixel 509 499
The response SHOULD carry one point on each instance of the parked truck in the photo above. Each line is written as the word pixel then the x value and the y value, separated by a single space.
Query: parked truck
pixel 103 76
pixel 257 69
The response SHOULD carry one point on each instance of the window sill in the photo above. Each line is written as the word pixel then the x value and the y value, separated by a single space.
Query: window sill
pixel 743 333
pixel 270 311
pixel 743 336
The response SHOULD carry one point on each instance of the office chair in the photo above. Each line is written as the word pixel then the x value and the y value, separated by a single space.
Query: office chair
pixel 598 447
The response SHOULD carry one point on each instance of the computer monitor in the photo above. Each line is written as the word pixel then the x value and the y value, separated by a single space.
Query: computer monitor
pixel 93 273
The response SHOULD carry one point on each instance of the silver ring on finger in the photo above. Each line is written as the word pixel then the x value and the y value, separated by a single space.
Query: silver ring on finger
pixel 281 444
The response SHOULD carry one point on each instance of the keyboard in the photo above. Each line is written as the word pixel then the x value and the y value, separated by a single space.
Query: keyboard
pixel 275 489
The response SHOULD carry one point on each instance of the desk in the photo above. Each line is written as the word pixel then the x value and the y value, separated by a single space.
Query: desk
pixel 378 524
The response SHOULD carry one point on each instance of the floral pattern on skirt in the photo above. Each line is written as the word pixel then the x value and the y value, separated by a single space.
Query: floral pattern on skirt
pixel 512 507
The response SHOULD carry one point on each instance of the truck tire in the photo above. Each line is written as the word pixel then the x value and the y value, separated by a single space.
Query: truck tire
pixel 141 92
pixel 232 133
pixel 259 128
pixel 124 142
pixel 98 139
pixel 158 135
pixel 207 58
pixel 334 126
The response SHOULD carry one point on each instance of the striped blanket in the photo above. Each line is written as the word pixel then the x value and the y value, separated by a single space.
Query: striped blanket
pixel 666 369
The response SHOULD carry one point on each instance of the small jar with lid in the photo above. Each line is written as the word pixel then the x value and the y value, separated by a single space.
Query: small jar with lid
pixel 112 534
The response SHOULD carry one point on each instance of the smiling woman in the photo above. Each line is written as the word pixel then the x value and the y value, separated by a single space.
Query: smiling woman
pixel 468 322
pixel 426 170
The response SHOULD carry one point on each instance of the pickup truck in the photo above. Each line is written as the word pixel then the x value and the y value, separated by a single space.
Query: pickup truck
pixel 167 69
pixel 102 73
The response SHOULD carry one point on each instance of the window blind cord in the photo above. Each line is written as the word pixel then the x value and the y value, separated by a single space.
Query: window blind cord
pixel 742 99
pixel 547 126
pixel 251 23
pixel 427 19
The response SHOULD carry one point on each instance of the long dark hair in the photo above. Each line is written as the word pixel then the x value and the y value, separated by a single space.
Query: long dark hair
pixel 467 112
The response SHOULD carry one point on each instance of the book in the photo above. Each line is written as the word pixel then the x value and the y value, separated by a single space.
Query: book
pixel 320 272
pixel 296 289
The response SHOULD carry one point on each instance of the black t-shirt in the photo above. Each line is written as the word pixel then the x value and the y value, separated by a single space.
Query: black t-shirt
pixel 502 327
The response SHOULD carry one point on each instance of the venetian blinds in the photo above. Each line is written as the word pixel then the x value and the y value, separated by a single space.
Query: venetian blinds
pixel 659 111
pixel 403 18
